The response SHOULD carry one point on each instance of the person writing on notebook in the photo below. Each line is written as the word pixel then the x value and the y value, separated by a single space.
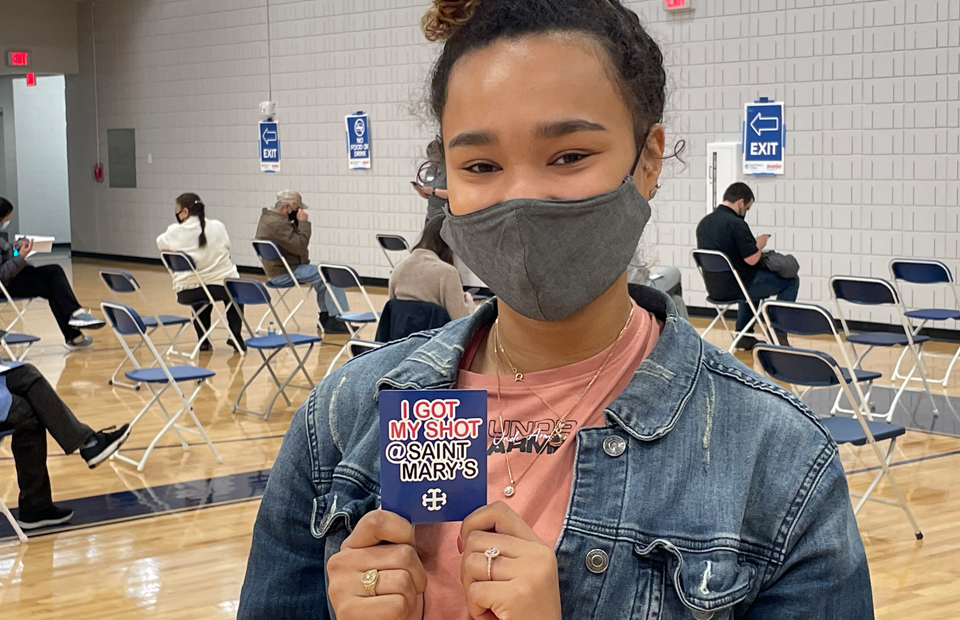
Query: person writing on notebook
pixel 23 280
pixel 633 470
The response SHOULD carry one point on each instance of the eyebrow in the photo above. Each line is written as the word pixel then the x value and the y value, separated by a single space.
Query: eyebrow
pixel 548 130
pixel 559 129
pixel 473 138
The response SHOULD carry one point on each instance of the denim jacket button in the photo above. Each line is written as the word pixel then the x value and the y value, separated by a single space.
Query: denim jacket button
pixel 614 446
pixel 702 615
pixel 597 561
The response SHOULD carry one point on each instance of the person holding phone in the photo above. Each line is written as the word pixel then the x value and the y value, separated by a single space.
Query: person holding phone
pixel 49 282
pixel 633 470
pixel 726 230
pixel 431 183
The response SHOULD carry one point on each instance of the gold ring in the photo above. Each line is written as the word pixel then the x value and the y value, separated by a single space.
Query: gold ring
pixel 369 580
pixel 491 553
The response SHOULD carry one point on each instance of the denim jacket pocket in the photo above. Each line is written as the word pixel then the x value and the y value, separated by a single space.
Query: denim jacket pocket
pixel 703 585
pixel 335 511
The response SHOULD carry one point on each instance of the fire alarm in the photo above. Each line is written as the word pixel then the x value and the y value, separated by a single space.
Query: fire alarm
pixel 678 5
pixel 98 173
pixel 31 79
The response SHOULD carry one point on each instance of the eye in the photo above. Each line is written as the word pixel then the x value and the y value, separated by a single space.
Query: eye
pixel 482 168
pixel 569 158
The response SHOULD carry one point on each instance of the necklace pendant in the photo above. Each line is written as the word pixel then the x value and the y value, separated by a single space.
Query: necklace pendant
pixel 509 491
pixel 518 377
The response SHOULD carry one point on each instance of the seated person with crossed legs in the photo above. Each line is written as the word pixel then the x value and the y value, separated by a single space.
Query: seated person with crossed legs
pixel 48 282
pixel 30 407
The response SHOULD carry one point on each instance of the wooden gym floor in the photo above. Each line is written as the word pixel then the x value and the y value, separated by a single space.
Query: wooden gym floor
pixel 172 542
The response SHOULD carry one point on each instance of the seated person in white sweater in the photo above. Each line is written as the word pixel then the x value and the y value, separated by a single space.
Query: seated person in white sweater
pixel 208 244
pixel 428 274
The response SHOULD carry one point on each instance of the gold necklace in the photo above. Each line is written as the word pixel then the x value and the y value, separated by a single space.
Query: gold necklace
pixel 557 432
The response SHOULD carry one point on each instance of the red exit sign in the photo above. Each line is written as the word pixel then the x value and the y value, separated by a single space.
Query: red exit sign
pixel 18 59
pixel 677 5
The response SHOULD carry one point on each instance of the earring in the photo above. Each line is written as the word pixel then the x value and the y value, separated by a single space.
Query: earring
pixel 653 192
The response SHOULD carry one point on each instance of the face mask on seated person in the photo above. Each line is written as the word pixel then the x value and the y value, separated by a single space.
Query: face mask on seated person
pixel 547 259
pixel 5 225
pixel 293 215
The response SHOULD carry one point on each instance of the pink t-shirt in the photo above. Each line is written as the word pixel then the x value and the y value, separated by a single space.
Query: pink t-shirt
pixel 543 483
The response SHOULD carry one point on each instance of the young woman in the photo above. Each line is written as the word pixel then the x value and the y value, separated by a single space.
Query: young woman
pixel 634 471
pixel 428 274
pixel 47 282
pixel 206 241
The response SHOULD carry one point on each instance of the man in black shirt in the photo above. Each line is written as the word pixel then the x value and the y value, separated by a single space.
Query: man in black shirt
pixel 725 230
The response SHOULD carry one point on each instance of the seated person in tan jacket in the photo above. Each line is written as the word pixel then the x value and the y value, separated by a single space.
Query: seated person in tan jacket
pixel 428 274
pixel 288 226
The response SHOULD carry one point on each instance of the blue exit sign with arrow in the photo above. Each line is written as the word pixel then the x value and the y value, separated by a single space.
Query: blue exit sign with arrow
pixel 764 137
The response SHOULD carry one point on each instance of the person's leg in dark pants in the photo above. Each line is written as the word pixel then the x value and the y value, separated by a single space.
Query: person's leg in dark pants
pixel 234 312
pixel 198 299
pixel 767 284
pixel 35 409
pixel 49 282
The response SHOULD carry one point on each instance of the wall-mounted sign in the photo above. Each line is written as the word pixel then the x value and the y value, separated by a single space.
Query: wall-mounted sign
pixel 677 5
pixel 269 146
pixel 358 141
pixel 18 58
pixel 764 137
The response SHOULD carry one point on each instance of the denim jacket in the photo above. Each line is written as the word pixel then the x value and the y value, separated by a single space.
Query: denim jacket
pixel 709 493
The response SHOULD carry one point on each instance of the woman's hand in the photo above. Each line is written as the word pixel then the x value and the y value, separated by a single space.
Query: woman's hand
pixel 401 575
pixel 524 583
pixel 25 246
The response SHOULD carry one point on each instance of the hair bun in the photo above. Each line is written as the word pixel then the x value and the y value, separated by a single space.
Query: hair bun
pixel 445 17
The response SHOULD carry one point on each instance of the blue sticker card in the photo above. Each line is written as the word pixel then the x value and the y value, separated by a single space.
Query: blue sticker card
pixel 433 453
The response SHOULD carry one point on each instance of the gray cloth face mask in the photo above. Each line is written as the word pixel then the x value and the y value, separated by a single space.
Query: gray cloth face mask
pixel 547 259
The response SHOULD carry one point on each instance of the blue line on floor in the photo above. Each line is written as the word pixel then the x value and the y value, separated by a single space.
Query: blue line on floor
pixel 148 502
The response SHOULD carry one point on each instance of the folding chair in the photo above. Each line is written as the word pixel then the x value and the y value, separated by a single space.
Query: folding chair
pixel 3 507
pixel 126 322
pixel 817 369
pixel 179 262
pixel 251 292
pixel 347 277
pixel 268 250
pixel 12 338
pixel 807 320
pixel 879 292
pixel 922 272
pixel 725 290
pixel 120 282
pixel 354 348
pixel 392 243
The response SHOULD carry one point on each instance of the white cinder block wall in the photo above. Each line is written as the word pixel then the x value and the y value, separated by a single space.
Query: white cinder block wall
pixel 872 89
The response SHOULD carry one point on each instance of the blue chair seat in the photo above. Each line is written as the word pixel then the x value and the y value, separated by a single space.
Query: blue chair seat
pixel 934 314
pixel 358 317
pixel 862 375
pixel 848 430
pixel 277 341
pixel 885 339
pixel 274 284
pixel 724 302
pixel 165 319
pixel 7 433
pixel 180 373
pixel 13 338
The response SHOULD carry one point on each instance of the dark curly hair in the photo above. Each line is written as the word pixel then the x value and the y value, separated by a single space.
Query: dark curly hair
pixel 635 60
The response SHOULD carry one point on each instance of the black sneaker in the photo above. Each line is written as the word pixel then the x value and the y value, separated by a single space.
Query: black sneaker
pixel 205 346
pixel 332 325
pixel 747 343
pixel 239 348
pixel 106 443
pixel 54 515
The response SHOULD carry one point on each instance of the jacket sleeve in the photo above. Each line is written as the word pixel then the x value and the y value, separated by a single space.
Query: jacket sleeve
pixel 294 241
pixel 163 241
pixel 825 574
pixel 286 578
pixel 11 266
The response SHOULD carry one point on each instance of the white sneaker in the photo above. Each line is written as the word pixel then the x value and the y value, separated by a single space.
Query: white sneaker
pixel 82 319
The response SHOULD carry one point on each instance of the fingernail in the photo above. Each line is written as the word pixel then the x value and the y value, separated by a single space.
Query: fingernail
pixel 460 545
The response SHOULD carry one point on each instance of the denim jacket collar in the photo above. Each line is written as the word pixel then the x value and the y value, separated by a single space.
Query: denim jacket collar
pixel 647 409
